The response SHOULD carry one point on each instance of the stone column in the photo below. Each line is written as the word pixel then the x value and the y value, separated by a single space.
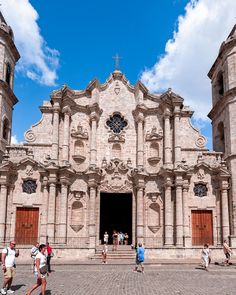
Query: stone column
pixel 93 140
pixel 168 211
pixel 140 214
pixel 177 136
pixel 225 209
pixel 43 234
pixel 51 211
pixel 9 211
pixel 55 132
pixel 179 211
pixel 66 134
pixel 167 139
pixel 187 238
pixel 63 213
pixel 140 121
pixel 3 204
pixel 92 217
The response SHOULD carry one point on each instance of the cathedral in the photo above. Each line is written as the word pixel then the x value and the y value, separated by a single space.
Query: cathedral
pixel 116 157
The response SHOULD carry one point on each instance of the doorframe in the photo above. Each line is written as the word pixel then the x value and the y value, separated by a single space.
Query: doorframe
pixel 97 212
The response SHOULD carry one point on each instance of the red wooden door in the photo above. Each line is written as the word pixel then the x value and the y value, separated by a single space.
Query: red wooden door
pixel 202 229
pixel 27 225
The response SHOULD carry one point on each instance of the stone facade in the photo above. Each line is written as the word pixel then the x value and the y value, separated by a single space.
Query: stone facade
pixel 119 138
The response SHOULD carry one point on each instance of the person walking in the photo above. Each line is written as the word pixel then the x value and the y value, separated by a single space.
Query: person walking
pixel 105 238
pixel 140 257
pixel 121 236
pixel 40 270
pixel 49 256
pixel 206 256
pixel 8 267
pixel 115 240
pixel 104 253
pixel 126 239
pixel 33 252
pixel 227 251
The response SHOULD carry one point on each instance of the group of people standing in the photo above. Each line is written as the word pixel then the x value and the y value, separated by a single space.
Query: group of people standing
pixel 118 238
pixel 41 255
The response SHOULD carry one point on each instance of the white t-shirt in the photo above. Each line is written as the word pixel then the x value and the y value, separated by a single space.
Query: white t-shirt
pixel 10 257
pixel 43 260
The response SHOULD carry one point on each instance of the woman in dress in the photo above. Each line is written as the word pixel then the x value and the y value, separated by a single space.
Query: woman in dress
pixel 40 270
pixel 206 256
pixel 126 238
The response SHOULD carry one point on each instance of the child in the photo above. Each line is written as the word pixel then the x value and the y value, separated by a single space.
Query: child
pixel 104 253
pixel 206 256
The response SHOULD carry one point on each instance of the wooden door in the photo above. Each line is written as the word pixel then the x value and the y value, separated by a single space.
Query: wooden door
pixel 27 225
pixel 202 229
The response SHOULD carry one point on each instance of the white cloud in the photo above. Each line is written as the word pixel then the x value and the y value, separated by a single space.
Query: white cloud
pixel 38 61
pixel 14 140
pixel 191 52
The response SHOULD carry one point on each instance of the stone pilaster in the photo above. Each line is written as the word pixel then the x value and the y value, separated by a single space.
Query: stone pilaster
pixel 3 202
pixel 52 208
pixel 186 229
pixel 140 214
pixel 94 177
pixel 66 133
pixel 179 211
pixel 167 140
pixel 168 211
pixel 55 132
pixel 43 231
pixel 9 212
pixel 95 113
pixel 225 208
pixel 63 212
pixel 177 146
pixel 140 122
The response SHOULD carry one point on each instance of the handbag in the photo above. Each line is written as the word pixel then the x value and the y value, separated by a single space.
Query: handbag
pixel 43 270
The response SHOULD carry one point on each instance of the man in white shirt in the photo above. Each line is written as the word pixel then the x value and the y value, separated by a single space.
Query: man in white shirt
pixel 33 252
pixel 8 267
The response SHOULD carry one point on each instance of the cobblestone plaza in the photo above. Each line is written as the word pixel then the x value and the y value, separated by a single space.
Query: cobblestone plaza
pixel 120 279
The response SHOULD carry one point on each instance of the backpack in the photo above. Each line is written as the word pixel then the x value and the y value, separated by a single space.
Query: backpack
pixel 141 254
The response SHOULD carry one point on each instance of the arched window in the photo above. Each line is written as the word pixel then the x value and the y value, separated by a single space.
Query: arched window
pixel 5 129
pixel 116 151
pixel 8 74
pixel 220 83
pixel 219 144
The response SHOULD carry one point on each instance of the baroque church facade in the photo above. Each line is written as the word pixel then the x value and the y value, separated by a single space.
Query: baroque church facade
pixel 116 157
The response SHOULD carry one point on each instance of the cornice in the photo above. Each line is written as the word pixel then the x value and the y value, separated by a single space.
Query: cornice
pixel 8 92
pixel 228 98
pixel 4 33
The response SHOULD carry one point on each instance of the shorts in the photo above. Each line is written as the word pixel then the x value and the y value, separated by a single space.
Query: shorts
pixel 43 276
pixel 139 263
pixel 227 255
pixel 9 273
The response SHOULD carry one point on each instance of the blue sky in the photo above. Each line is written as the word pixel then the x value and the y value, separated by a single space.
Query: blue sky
pixel 76 41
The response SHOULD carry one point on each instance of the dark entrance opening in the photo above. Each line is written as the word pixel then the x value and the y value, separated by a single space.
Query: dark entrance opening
pixel 116 214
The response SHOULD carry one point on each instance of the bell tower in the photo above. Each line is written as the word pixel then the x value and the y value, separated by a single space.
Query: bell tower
pixel 9 55
pixel 223 115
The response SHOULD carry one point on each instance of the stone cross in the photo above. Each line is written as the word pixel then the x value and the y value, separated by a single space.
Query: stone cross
pixel 117 58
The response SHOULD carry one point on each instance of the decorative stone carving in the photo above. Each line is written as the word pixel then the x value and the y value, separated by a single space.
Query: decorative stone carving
pixel 201 141
pixel 30 136
pixel 29 186
pixel 200 190
pixel 117 88
pixel 77 214
pixel 76 228
pixel 116 123
pixel 79 132
pixel 154 135
pixel 200 174
pixel 29 170
pixel 116 138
